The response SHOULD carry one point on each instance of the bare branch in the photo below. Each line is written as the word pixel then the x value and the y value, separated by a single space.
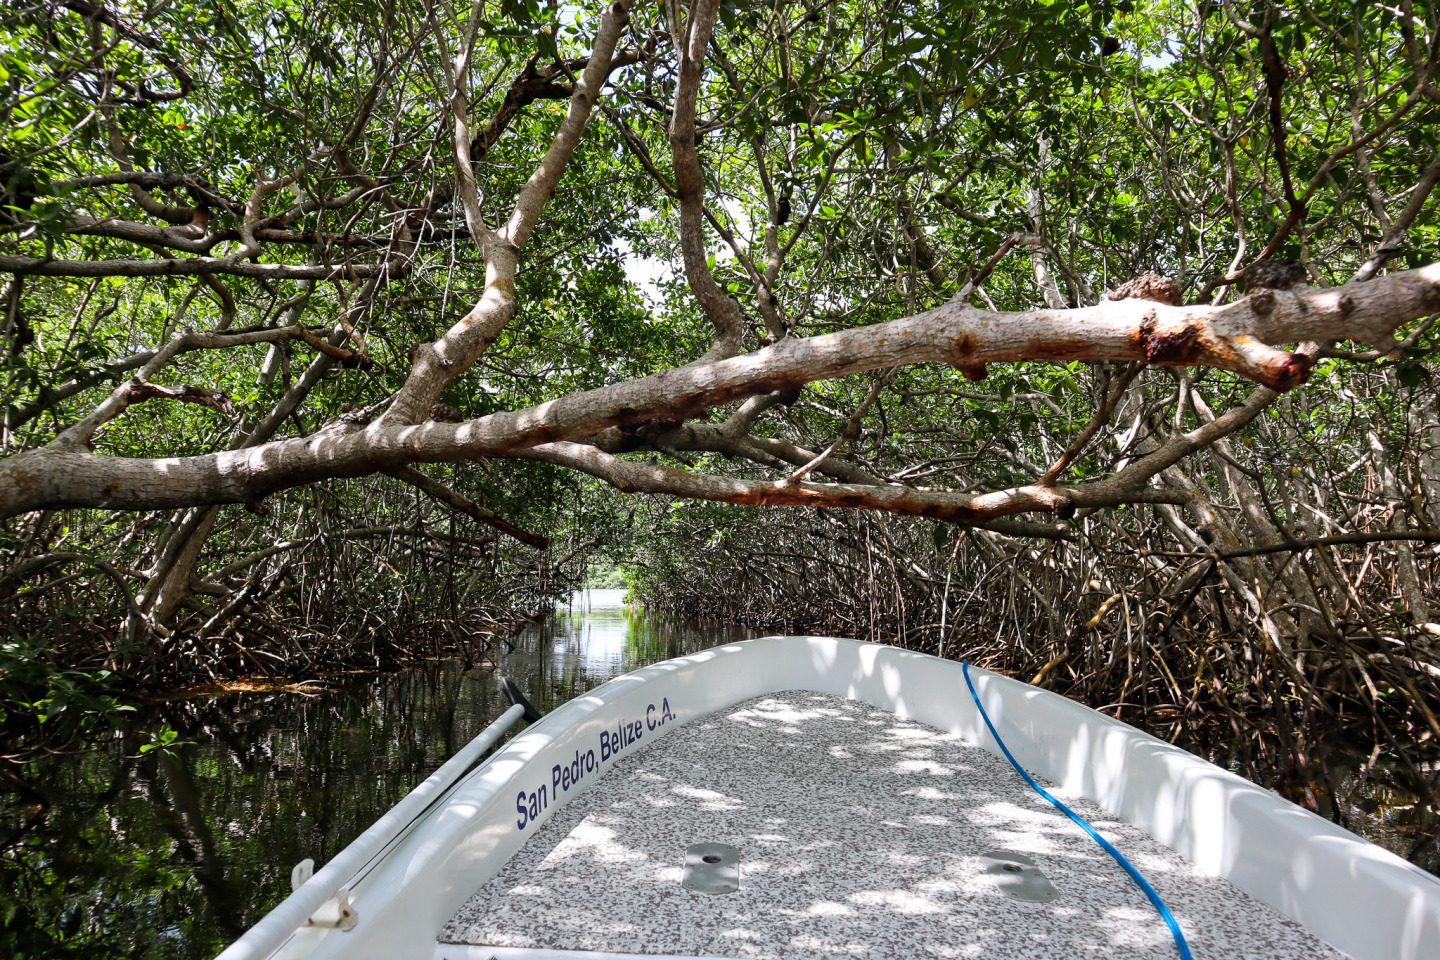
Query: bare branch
pixel 468 507
pixel 723 312
pixel 436 364
pixel 1232 337
pixel 186 267
pixel 632 477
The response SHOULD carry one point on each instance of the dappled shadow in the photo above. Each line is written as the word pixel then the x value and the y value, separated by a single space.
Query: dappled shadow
pixel 860 835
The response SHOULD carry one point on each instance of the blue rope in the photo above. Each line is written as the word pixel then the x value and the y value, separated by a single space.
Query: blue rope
pixel 1106 845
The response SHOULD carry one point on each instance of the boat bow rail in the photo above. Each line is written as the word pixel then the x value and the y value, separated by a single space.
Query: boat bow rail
pixel 322 899
pixel 1350 893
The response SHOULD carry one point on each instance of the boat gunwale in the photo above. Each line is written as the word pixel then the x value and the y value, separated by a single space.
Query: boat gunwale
pixel 1332 882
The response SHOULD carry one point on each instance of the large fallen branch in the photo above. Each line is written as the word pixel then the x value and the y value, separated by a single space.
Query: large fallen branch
pixel 1238 336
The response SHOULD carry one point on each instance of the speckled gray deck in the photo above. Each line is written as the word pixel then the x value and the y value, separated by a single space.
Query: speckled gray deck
pixel 859 836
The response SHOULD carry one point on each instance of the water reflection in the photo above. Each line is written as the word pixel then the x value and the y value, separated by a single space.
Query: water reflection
pixel 595 631
pixel 1384 797
pixel 173 856
pixel 152 856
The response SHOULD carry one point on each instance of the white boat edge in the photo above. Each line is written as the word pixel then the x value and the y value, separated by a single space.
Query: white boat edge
pixel 1350 893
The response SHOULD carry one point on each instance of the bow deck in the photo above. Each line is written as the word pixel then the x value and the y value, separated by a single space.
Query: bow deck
pixel 860 834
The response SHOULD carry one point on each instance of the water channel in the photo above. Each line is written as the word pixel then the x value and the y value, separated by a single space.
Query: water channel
pixel 162 855
pixel 173 854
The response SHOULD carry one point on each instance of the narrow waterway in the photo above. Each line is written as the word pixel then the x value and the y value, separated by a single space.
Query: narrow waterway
pixel 174 854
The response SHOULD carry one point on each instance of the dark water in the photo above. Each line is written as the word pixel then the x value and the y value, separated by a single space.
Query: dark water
pixel 1390 799
pixel 159 856
pixel 156 855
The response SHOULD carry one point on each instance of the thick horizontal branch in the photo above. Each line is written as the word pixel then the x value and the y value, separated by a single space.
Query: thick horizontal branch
pixel 1295 546
pixel 194 240
pixel 181 267
pixel 17 416
pixel 1231 337
pixel 638 477
pixel 138 391
pixel 147 180
pixel 730 441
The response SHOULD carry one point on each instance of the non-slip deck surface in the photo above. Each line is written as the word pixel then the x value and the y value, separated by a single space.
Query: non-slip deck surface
pixel 859 836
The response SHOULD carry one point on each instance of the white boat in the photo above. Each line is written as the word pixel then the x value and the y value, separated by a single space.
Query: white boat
pixel 843 815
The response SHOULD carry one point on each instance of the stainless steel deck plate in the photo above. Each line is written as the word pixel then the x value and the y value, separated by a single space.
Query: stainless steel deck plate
pixel 711 868
pixel 1018 876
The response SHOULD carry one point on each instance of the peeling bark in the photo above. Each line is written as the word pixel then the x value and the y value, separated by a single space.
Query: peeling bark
pixel 1234 337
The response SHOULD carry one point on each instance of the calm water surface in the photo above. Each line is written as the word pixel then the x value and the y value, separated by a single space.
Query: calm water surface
pixel 174 856
pixel 159 856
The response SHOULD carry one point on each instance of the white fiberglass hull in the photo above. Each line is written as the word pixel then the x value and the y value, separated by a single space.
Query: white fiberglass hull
pixel 1363 900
